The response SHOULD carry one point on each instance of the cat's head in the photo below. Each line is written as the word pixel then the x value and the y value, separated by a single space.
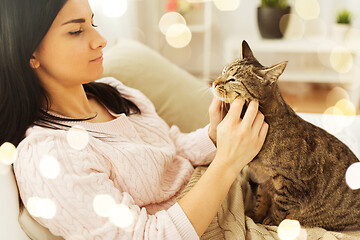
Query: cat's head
pixel 247 78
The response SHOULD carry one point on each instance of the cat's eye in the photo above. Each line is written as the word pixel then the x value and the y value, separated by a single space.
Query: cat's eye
pixel 230 80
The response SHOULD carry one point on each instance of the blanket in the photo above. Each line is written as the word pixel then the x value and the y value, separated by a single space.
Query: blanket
pixel 231 223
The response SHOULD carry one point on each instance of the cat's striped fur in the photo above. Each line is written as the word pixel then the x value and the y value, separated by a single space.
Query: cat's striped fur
pixel 300 171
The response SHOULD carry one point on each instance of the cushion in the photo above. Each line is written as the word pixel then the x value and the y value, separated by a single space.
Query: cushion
pixel 33 229
pixel 179 98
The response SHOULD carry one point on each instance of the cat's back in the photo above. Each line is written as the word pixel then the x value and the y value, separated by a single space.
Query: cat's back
pixel 294 143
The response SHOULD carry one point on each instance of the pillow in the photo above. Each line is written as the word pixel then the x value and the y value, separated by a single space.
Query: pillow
pixel 179 98
pixel 32 228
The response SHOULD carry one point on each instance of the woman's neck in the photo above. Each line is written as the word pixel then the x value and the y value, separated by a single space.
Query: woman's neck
pixel 72 102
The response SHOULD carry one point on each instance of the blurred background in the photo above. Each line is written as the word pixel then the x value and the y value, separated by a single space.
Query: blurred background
pixel 319 38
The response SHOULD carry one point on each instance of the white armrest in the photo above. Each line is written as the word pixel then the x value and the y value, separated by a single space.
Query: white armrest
pixel 9 203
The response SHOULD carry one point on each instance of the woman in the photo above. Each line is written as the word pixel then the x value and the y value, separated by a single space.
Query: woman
pixel 51 55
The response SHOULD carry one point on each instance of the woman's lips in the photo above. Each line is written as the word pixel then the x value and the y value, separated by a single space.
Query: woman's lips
pixel 99 59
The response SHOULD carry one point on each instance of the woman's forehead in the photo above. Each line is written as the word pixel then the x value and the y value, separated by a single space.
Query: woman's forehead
pixel 73 9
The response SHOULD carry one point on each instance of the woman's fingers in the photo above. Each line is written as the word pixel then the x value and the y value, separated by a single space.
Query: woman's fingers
pixel 215 105
pixel 263 132
pixel 258 122
pixel 235 109
pixel 216 113
pixel 250 114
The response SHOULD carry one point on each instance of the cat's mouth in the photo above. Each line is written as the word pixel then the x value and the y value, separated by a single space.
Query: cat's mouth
pixel 227 100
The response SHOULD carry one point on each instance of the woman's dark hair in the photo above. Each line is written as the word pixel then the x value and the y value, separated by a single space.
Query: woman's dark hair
pixel 23 25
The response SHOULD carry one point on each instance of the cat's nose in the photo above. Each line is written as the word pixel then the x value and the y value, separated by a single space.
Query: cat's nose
pixel 216 82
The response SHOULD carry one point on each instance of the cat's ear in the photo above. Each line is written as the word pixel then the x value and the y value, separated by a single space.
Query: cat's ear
pixel 271 74
pixel 246 51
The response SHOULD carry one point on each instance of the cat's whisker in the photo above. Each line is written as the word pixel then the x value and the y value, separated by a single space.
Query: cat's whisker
pixel 203 91
pixel 206 90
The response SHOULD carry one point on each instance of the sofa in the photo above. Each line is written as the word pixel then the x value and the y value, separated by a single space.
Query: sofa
pixel 179 98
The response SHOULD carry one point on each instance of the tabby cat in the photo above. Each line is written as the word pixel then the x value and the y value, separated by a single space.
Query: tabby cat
pixel 299 173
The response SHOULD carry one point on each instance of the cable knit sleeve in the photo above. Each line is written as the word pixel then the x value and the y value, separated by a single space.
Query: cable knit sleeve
pixel 71 193
pixel 196 146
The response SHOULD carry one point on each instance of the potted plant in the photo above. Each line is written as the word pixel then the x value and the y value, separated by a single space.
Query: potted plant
pixel 342 26
pixel 269 14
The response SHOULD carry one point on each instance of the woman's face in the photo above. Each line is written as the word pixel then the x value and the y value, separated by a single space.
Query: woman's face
pixel 71 52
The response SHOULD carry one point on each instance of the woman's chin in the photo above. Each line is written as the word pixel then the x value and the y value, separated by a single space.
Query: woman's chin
pixel 98 73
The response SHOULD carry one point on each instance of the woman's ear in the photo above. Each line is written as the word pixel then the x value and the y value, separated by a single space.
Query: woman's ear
pixel 34 63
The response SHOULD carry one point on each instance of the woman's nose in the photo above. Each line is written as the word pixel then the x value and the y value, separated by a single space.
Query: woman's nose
pixel 98 41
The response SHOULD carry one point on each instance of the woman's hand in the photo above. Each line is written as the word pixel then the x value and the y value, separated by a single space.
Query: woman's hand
pixel 240 140
pixel 217 111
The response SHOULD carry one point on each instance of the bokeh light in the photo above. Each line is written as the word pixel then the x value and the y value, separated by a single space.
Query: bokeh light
pixel 307 9
pixel 289 229
pixel 341 59
pixel 335 95
pixel 8 153
pixel 346 107
pixel 49 167
pixel 114 8
pixel 41 207
pixel 329 123
pixel 227 5
pixel 178 35
pixel 352 38
pixel 77 137
pixel 121 216
pixel 169 19
pixel 337 117
pixel 103 204
pixel 295 28
pixel 352 176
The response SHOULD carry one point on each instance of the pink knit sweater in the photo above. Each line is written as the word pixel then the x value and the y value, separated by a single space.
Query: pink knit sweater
pixel 143 166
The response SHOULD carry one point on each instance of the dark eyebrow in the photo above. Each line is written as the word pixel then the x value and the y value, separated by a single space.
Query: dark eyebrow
pixel 79 20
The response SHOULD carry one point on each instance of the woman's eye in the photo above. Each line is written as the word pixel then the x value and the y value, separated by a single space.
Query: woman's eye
pixel 76 32
pixel 80 31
